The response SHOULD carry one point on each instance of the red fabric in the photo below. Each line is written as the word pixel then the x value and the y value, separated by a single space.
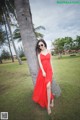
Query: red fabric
pixel 40 89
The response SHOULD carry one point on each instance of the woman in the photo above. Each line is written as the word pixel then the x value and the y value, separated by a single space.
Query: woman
pixel 42 91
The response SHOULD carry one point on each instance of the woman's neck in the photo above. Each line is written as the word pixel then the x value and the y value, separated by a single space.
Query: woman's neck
pixel 44 50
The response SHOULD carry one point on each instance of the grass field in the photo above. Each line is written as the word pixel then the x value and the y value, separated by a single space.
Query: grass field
pixel 16 89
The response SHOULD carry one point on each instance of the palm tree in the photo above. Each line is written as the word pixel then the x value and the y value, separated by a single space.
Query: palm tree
pixel 9 27
pixel 28 36
pixel 17 35
pixel 5 39
pixel 2 40
pixel 6 12
pixel 38 34
pixel 7 36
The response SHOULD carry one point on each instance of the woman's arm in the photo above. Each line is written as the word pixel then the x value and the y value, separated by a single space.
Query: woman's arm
pixel 43 72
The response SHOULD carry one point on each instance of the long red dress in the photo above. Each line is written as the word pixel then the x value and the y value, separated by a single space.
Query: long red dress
pixel 40 90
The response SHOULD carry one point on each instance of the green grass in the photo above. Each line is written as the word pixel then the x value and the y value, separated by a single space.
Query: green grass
pixel 16 89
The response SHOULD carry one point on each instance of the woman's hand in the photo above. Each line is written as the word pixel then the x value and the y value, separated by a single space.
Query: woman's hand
pixel 44 73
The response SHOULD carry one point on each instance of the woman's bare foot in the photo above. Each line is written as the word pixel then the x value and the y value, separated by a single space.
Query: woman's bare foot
pixel 49 110
pixel 52 103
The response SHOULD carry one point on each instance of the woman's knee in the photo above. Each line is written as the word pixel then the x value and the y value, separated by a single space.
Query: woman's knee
pixel 48 85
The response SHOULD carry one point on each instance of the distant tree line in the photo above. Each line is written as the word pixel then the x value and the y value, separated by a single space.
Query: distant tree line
pixel 66 45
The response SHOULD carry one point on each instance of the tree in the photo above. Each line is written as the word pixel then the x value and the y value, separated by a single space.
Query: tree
pixel 2 40
pixel 0 60
pixel 2 37
pixel 78 41
pixel 5 39
pixel 38 34
pixel 6 11
pixel 9 27
pixel 29 40
pixel 68 43
pixel 7 36
pixel 58 45
pixel 16 34
pixel 61 44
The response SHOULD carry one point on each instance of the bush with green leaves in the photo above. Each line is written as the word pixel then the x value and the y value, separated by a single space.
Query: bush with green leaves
pixel 23 58
pixel 21 54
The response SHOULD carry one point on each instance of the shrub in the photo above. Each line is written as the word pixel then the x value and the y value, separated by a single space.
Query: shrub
pixel 72 55
pixel 23 58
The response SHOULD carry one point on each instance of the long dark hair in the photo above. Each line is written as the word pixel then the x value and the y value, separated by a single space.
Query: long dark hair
pixel 38 50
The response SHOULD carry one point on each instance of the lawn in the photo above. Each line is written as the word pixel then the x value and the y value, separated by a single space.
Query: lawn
pixel 16 89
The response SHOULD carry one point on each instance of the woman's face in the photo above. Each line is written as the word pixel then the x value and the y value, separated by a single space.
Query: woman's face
pixel 41 45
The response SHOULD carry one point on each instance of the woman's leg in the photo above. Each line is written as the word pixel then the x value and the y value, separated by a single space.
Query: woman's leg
pixel 52 103
pixel 52 99
pixel 48 96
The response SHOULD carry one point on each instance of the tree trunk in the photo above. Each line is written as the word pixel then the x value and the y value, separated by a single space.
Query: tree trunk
pixel 8 38
pixel 8 23
pixel 14 12
pixel 28 36
pixel 0 61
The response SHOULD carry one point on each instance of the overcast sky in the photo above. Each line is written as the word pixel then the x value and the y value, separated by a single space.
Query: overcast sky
pixel 60 20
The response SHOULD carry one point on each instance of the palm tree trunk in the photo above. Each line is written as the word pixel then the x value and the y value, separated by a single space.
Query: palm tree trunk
pixel 14 12
pixel 8 38
pixel 8 23
pixel 27 34
pixel 9 44
pixel 0 61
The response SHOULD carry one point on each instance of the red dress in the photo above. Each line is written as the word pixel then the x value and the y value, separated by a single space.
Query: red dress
pixel 40 89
